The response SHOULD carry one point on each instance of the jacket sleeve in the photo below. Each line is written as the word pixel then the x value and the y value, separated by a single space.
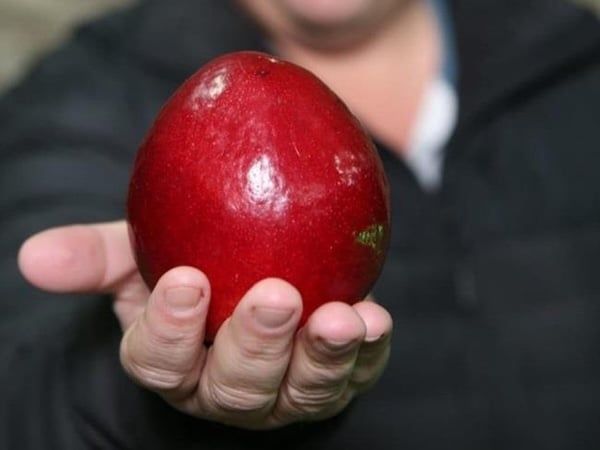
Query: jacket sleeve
pixel 68 134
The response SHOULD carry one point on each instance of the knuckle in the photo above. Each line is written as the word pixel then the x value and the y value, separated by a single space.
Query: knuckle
pixel 312 399
pixel 155 378
pixel 266 351
pixel 150 376
pixel 232 400
pixel 326 375
pixel 290 411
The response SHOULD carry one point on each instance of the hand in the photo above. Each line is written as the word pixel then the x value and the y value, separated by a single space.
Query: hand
pixel 259 373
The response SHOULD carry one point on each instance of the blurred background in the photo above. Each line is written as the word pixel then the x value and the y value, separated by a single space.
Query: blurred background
pixel 28 28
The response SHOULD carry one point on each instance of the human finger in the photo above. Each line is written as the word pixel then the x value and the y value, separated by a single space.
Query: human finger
pixel 375 349
pixel 316 385
pixel 250 355
pixel 78 258
pixel 163 350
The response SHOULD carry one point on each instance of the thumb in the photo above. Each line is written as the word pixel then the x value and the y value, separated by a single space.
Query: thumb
pixel 163 350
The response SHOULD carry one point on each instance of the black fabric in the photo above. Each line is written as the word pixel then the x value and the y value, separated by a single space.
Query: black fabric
pixel 493 282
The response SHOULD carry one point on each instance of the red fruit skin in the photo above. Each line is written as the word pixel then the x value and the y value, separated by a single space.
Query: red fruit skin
pixel 255 169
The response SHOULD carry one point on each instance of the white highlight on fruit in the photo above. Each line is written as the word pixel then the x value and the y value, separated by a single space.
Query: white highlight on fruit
pixel 216 87
pixel 265 186
pixel 206 93
pixel 346 165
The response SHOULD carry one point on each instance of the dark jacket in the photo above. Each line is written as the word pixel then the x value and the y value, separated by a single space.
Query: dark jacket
pixel 494 282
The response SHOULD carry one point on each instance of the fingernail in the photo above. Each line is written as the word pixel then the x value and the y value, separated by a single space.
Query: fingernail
pixel 183 298
pixel 272 317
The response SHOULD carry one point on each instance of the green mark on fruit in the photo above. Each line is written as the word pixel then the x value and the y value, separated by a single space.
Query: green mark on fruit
pixel 372 237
